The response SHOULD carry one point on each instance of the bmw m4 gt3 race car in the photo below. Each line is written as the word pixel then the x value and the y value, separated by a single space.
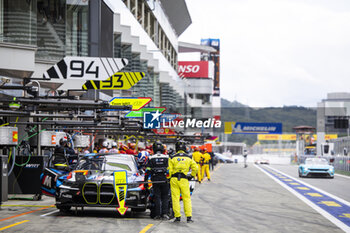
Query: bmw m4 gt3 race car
pixel 104 181
pixel 316 167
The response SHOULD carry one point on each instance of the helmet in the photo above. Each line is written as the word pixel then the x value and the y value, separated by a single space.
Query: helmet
pixel 114 144
pixel 142 157
pixel 105 144
pixel 180 145
pixel 63 141
pixel 158 147
pixel 196 148
pixel 171 151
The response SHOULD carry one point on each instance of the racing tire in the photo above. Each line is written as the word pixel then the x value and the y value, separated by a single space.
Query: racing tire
pixel 300 175
pixel 63 208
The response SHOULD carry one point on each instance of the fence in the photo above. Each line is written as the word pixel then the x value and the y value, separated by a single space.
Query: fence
pixel 341 145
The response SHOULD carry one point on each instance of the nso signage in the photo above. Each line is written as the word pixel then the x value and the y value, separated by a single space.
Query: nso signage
pixel 193 69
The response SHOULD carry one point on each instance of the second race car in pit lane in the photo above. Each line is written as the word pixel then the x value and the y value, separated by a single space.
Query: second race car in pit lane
pixel 94 183
pixel 316 167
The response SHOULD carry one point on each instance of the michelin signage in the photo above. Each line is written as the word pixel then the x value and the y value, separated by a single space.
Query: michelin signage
pixel 252 128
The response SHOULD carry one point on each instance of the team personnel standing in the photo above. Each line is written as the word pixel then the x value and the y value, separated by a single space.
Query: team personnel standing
pixel 114 148
pixel 205 162
pixel 179 166
pixel 64 148
pixel 104 148
pixel 158 169
pixel 245 155
pixel 197 157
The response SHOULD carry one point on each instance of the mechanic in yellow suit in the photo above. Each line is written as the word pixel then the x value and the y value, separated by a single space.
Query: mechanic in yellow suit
pixel 179 166
pixel 205 162
pixel 197 157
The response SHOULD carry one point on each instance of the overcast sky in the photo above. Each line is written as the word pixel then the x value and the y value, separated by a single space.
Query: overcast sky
pixel 276 52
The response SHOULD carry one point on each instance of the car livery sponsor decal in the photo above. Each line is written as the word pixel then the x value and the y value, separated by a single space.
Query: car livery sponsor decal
pixel 335 207
pixel 120 187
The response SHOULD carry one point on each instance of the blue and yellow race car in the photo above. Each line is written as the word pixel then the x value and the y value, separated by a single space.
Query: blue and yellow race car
pixel 316 167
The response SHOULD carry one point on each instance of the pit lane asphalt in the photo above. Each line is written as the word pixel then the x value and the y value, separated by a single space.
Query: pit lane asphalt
pixel 339 186
pixel 236 200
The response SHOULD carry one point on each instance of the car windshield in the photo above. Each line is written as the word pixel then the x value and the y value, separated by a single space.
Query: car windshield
pixel 120 162
pixel 90 164
pixel 111 166
pixel 316 162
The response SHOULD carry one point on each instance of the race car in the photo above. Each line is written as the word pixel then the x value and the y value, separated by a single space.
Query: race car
pixel 316 167
pixel 262 161
pixel 111 180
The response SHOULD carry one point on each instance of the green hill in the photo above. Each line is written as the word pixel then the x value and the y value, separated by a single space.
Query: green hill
pixel 289 116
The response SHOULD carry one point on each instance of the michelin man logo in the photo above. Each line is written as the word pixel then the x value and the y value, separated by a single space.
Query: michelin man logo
pixel 151 120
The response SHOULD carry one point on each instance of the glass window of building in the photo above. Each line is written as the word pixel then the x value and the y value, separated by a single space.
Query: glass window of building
pixel 77 28
pixel 62 28
pixel 18 21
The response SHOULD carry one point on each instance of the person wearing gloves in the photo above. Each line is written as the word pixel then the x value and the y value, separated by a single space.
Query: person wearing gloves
pixel 179 166
pixel 157 168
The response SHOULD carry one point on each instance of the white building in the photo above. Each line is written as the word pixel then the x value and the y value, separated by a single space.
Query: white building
pixel 36 34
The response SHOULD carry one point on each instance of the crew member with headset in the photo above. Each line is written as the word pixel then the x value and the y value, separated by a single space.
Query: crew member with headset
pixel 179 166
pixel 197 157
pixel 158 169
pixel 205 164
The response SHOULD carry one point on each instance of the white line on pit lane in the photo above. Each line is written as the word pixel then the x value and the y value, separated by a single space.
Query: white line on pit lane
pixel 324 213
pixel 347 177
pixel 52 212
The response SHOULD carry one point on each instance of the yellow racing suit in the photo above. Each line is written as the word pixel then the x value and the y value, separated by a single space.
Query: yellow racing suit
pixel 205 166
pixel 197 157
pixel 179 166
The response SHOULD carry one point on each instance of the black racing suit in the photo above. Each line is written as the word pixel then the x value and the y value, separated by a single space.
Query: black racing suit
pixel 68 152
pixel 158 168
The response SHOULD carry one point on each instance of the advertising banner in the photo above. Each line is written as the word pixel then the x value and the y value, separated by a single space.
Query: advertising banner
pixel 252 128
pixel 290 137
pixel 193 69
pixel 215 57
